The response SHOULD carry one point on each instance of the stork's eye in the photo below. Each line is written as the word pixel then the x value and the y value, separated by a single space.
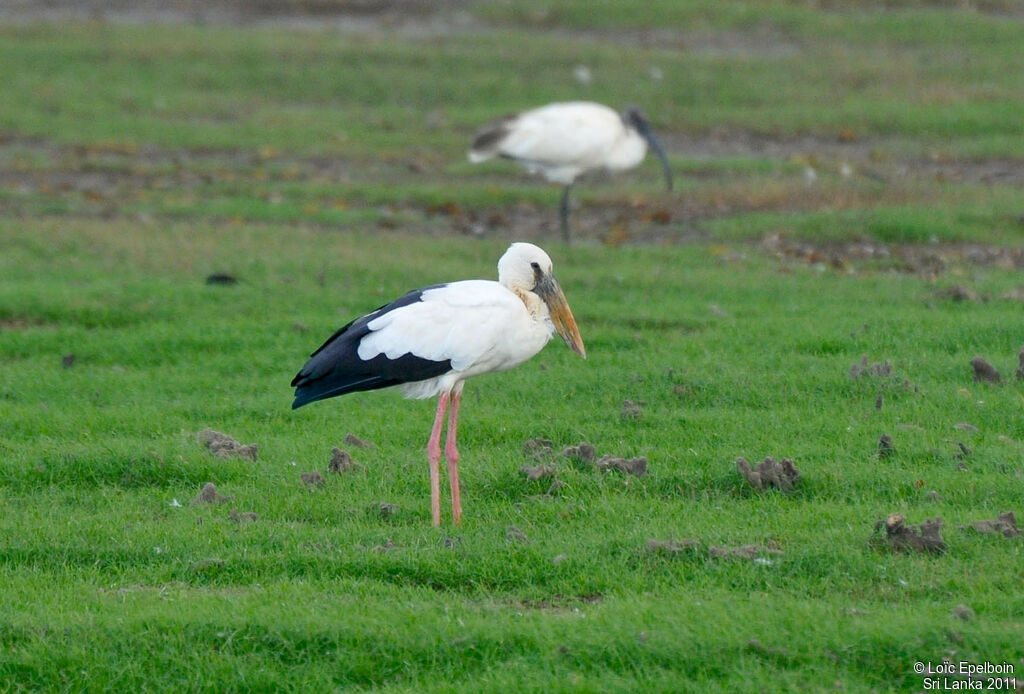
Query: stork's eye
pixel 535 266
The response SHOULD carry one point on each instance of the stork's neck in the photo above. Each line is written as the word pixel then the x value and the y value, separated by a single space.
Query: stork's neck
pixel 627 152
pixel 535 306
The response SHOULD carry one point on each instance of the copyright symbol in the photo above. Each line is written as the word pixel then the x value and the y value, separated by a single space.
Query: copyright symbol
pixel 919 667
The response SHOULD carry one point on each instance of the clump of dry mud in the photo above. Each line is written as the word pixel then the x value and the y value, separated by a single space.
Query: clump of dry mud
pixel 769 473
pixel 224 446
pixel 894 534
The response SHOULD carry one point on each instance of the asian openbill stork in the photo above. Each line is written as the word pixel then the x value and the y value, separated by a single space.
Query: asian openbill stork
pixel 429 341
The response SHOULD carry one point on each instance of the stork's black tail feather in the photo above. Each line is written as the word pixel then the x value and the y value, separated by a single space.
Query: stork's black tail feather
pixel 322 389
pixel 336 367
pixel 351 374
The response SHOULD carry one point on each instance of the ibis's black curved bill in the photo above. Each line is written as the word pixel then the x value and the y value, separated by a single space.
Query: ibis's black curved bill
pixel 656 147
pixel 643 126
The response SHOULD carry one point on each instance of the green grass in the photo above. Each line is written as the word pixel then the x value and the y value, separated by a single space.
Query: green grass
pixel 107 585
pixel 326 172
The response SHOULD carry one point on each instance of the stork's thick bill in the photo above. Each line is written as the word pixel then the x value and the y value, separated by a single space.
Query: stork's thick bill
pixel 561 315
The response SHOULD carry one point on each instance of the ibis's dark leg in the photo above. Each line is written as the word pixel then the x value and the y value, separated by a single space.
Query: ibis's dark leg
pixel 434 456
pixel 451 452
pixel 563 211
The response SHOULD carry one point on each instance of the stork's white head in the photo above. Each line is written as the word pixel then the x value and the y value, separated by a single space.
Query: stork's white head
pixel 515 269
pixel 527 268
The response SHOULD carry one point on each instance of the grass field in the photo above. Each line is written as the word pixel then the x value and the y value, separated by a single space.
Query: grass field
pixel 850 186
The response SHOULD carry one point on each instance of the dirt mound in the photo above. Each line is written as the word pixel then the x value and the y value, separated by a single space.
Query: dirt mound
pixel 224 446
pixel 901 537
pixel 769 473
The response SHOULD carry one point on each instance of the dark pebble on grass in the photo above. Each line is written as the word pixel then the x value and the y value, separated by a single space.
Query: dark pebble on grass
pixel 221 278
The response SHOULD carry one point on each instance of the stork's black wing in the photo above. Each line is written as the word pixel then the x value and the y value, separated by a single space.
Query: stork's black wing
pixel 335 368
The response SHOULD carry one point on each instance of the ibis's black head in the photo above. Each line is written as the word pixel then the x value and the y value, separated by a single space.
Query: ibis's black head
pixel 635 118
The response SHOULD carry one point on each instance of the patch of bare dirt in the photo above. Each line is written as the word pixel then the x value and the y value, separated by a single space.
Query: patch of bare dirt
pixel 844 152
pixel 416 16
pixel 929 260
pixel 102 179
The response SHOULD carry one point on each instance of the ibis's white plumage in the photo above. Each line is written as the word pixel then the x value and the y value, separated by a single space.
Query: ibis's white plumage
pixel 429 341
pixel 561 141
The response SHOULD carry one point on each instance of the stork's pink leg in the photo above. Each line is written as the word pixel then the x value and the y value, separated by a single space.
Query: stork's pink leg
pixel 451 452
pixel 434 456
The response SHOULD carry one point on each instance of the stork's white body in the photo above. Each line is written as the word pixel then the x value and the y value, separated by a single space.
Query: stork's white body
pixel 479 325
pixel 563 140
